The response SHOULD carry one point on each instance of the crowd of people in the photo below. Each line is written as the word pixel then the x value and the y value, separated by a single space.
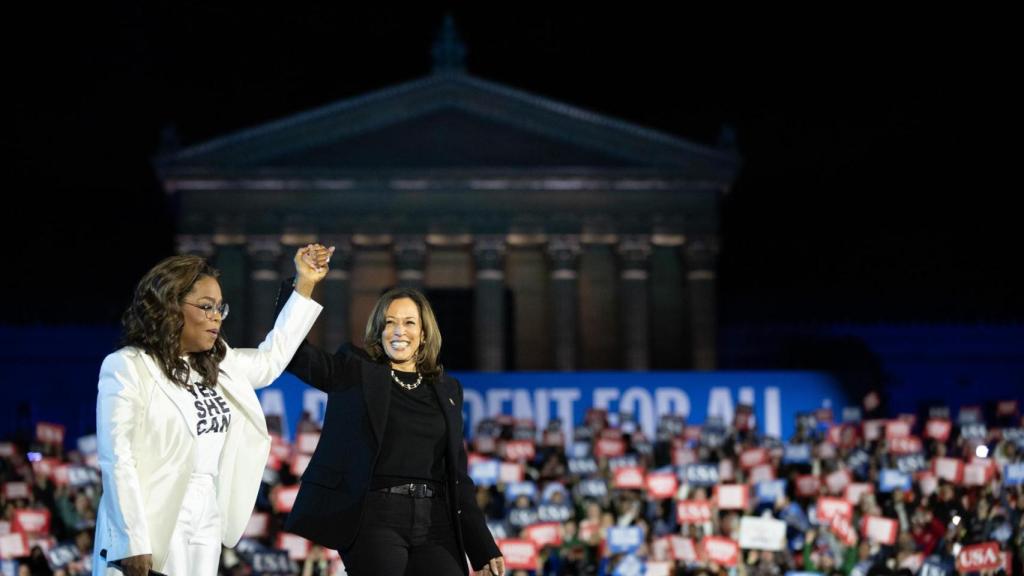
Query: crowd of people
pixel 853 493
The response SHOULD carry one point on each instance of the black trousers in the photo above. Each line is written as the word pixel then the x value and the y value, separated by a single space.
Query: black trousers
pixel 404 536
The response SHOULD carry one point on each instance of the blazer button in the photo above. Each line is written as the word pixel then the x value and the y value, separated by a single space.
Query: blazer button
pixel 460 511
pixel 456 482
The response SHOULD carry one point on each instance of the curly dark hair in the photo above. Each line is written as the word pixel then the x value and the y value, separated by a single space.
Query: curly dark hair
pixel 154 320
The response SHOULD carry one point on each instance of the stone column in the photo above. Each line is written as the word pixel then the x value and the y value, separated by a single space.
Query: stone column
pixel 563 252
pixel 410 259
pixel 489 303
pixel 231 258
pixel 634 308
pixel 701 255
pixel 264 253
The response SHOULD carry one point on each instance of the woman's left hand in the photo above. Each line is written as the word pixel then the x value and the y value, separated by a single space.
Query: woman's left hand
pixel 495 567
pixel 311 267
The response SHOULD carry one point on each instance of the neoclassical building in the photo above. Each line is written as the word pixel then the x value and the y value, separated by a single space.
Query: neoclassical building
pixel 548 237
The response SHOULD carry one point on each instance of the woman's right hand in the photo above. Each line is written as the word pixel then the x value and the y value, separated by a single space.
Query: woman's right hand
pixel 137 565
pixel 311 267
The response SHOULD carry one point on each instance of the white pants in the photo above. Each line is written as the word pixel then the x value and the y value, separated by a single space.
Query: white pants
pixel 195 543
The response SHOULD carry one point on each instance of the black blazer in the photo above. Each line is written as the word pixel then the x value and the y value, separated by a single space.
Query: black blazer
pixel 331 497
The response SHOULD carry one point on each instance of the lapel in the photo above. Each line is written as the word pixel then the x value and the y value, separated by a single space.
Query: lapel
pixel 378 397
pixel 243 397
pixel 166 386
pixel 444 392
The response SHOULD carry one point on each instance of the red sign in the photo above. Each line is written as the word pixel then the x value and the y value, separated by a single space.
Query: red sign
pixel 475 458
pixel 519 450
pixel 843 529
pixel 662 485
pixel 7 449
pixel 49 433
pixel 977 474
pixel 829 508
pixel 807 485
pixel 299 464
pixel 16 490
pixel 518 554
pixel 609 447
pixel 879 529
pixel 1007 408
pixel 722 551
pixel 979 558
pixel 45 467
pixel 837 481
pixel 938 429
pixel 826 451
pixel 485 444
pixel 905 445
pixel 951 469
pixel 897 429
pixel 296 546
pixel 928 482
pixel 284 498
pixel 589 529
pixel 693 511
pixel 682 456
pixel 510 472
pixel 753 457
pixel 544 534
pixel 14 545
pixel 629 478
pixel 257 526
pixel 611 434
pixel 726 472
pixel 855 490
pixel 31 521
pixel 732 496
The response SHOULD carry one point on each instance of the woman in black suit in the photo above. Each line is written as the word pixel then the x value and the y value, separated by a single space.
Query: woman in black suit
pixel 387 485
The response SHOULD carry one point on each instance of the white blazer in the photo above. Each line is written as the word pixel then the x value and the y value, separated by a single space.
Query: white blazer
pixel 147 448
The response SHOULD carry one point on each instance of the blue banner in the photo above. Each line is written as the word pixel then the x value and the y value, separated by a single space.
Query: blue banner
pixel 777 397
pixel 890 480
pixel 484 473
pixel 625 539
pixel 770 491
pixel 796 454
pixel 1013 474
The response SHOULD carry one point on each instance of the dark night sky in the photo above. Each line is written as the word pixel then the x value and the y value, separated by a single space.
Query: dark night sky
pixel 872 186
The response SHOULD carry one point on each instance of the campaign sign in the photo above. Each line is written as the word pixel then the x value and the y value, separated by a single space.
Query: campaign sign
pixel 897 429
pixel 16 490
pixel 770 491
pixel 938 429
pixel 852 414
pixel 873 429
pixel 761 473
pixel 721 550
pixel 544 534
pixel 49 433
pixel 622 462
pixel 484 473
pixel 88 444
pixel 969 415
pixel 979 557
pixel 1013 474
pixel 13 545
pixel 762 533
pixel 630 565
pixel 624 539
pixel 732 496
pixel 662 485
pixel 951 469
pixel 858 460
pixel 826 451
pixel 659 568
pixel 807 485
pixel 582 466
pixel 284 499
pixel 518 554
pixel 257 525
pixel 976 474
pixel 553 439
pixel 828 508
pixel 726 470
pixel 592 488
pixel 837 481
pixel 880 529
pixel 700 474
pixel 928 483
pixel 854 491
pixel 973 432
pixel 683 549
pixel 579 450
pixel 307 441
pixel 1007 408
pixel 519 450
pixel 485 444
pixel 60 556
pixel 296 546
pixel 753 457
pixel 891 479
pixel 7 449
pixel 31 521
pixel 842 527
pixel 911 463
pixel 554 512
pixel 693 511
pixel 609 447
pixel 551 488
pixel 271 563
pixel 299 464
pixel 510 472
pixel 681 456
pixel 905 445
pixel 913 562
pixel 514 490
pixel 796 454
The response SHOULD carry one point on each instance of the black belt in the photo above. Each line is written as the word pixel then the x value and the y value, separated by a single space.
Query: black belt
pixel 413 490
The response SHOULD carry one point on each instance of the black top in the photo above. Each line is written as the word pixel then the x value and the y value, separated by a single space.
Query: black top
pixel 414 437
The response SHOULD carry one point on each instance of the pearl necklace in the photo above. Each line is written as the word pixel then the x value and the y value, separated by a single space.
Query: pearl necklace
pixel 412 386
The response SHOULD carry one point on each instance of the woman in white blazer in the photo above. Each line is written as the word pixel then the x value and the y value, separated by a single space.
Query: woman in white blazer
pixel 182 438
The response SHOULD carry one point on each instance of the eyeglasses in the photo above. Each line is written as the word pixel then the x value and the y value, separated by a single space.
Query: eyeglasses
pixel 209 309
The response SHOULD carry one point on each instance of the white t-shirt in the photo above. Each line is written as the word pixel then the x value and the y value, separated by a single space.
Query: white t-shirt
pixel 209 416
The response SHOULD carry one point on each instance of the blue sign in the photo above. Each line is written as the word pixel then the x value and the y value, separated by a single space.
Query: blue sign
pixel 551 488
pixel 796 454
pixel 890 480
pixel 1013 474
pixel 699 474
pixel 484 473
pixel 698 397
pixel 770 491
pixel 516 489
pixel 271 562
pixel 630 565
pixel 625 539
pixel 592 488
pixel 554 513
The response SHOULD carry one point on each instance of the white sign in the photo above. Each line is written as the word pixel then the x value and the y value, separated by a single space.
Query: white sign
pixel 762 533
